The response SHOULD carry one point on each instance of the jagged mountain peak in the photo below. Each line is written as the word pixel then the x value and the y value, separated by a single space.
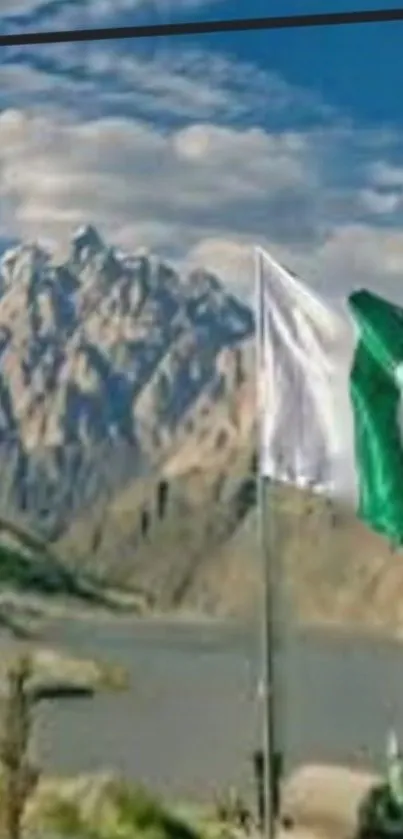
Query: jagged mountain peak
pixel 21 262
pixel 105 353
pixel 86 242
pixel 201 281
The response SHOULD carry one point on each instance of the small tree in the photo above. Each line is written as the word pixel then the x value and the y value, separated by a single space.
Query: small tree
pixel 20 777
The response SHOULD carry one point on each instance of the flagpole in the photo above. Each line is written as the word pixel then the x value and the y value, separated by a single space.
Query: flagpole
pixel 265 497
pixel 267 684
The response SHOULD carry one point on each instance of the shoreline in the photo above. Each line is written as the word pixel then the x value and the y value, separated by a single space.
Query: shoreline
pixel 27 614
pixel 322 800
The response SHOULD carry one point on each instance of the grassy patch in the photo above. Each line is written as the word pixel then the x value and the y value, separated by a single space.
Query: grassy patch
pixel 119 812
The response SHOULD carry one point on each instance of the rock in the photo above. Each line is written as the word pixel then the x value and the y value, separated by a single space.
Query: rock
pixel 326 800
pixel 56 674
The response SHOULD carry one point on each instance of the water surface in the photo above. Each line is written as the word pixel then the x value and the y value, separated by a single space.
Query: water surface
pixel 190 721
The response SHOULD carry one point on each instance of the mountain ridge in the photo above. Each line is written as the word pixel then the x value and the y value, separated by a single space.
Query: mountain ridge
pixel 128 443
pixel 101 358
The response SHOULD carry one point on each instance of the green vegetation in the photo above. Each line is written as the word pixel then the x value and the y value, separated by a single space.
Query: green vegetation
pixel 22 573
pixel 99 807
pixel 19 777
pixel 379 815
pixel 31 571
pixel 84 807
pixel 27 563
pixel 121 813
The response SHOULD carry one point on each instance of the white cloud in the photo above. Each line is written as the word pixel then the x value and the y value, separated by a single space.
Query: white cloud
pixel 352 257
pixel 356 256
pixel 166 189
pixel 203 194
pixel 380 203
pixel 65 10
pixel 230 260
pixel 161 7
pixel 201 186
pixel 364 250
pixel 129 176
pixel 39 15
pixel 384 174
pixel 175 82
pixel 8 7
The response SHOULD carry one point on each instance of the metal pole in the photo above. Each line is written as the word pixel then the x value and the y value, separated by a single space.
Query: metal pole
pixel 270 698
pixel 266 514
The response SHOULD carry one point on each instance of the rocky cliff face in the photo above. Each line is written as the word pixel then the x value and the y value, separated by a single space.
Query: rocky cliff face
pixel 110 365
pixel 127 437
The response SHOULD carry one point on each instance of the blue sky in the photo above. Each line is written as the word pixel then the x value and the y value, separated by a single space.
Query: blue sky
pixel 198 147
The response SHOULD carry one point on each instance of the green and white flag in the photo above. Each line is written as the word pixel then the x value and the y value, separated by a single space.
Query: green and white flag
pixel 330 395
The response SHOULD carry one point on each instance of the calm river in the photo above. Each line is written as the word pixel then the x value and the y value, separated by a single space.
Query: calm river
pixel 190 722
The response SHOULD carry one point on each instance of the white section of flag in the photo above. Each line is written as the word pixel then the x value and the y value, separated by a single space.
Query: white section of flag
pixel 305 350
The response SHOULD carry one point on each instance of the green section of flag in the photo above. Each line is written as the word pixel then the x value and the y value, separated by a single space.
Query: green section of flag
pixel 376 396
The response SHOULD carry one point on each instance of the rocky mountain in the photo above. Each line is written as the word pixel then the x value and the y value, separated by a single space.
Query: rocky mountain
pixel 109 363
pixel 189 539
pixel 127 443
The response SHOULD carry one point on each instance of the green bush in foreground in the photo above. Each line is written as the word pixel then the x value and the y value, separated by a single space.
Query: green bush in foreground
pixel 64 818
pixel 121 813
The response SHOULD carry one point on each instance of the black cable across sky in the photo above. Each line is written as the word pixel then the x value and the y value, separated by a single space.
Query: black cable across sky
pixel 204 27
